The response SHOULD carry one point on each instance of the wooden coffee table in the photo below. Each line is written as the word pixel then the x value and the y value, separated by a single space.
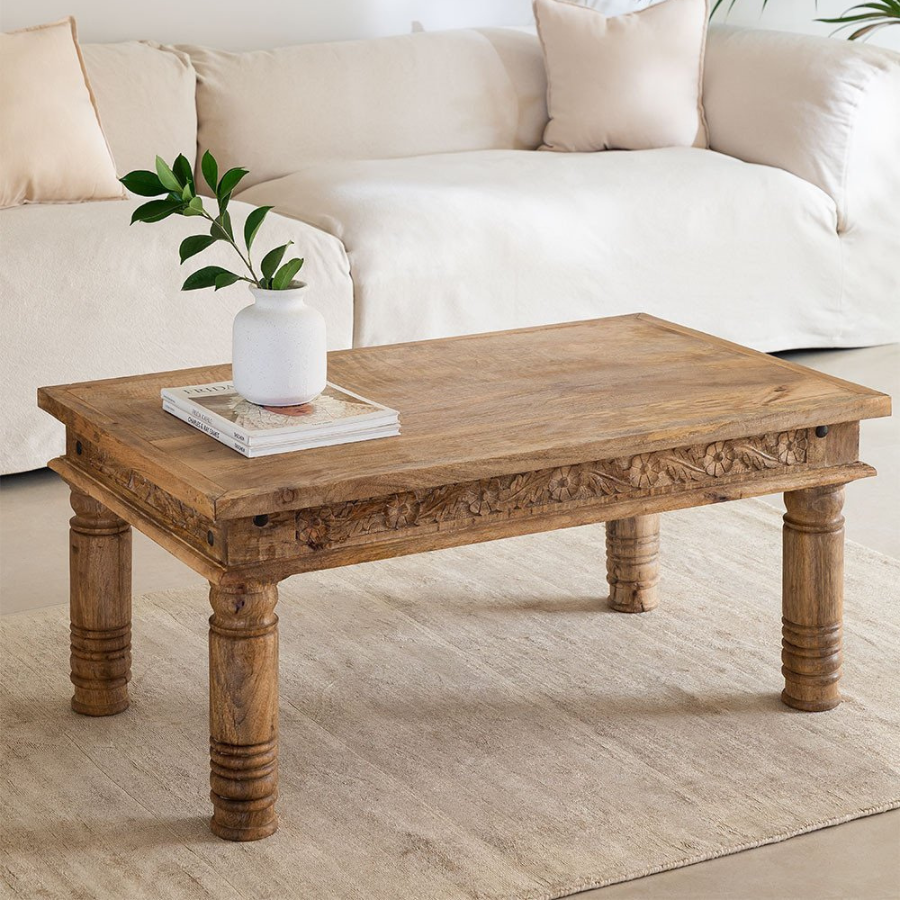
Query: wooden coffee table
pixel 614 420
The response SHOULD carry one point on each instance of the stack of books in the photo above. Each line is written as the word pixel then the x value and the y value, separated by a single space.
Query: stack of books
pixel 336 416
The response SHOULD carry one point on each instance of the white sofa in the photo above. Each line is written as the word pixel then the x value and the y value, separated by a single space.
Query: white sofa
pixel 405 171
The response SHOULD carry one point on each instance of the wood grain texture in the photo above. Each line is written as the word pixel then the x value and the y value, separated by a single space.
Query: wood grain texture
pixel 100 607
pixel 243 711
pixel 812 598
pixel 632 563
pixel 475 407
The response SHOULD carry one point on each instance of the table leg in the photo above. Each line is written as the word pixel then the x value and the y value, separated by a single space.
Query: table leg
pixel 100 607
pixel 632 563
pixel 243 710
pixel 812 597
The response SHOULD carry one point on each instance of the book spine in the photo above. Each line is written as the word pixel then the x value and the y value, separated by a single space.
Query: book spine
pixel 214 422
pixel 200 425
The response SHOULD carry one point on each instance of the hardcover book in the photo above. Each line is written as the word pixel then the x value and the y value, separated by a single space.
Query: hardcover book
pixel 336 416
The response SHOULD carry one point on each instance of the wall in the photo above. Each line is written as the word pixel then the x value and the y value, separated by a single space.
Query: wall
pixel 239 24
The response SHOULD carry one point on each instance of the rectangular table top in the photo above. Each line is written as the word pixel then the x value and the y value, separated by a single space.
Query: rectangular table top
pixel 475 407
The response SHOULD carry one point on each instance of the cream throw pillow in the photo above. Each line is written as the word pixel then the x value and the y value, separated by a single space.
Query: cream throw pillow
pixel 52 147
pixel 629 82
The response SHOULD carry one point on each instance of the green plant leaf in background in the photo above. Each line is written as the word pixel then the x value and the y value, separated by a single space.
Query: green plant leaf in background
pixel 210 169
pixel 193 245
pixel 144 183
pixel 251 226
pixel 205 277
pixel 871 17
pixel 285 275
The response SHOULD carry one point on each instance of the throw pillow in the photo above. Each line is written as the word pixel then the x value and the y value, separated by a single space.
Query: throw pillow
pixel 630 82
pixel 51 144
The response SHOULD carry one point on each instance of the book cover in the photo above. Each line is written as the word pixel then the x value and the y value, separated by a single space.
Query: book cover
pixel 286 445
pixel 335 411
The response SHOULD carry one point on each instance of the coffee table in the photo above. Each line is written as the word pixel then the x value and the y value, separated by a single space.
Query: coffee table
pixel 614 420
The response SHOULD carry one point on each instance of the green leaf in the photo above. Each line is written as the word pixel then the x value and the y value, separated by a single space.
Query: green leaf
pixel 194 208
pixel 187 193
pixel 221 228
pixel 229 182
pixel 204 278
pixel 144 183
pixel 225 279
pixel 156 211
pixel 272 259
pixel 254 220
pixel 194 244
pixel 167 176
pixel 210 169
pixel 285 275
pixel 182 171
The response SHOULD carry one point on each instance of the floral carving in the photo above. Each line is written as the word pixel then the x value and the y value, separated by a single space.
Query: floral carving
pixel 645 470
pixel 481 499
pixel 718 459
pixel 565 483
pixel 598 482
pixel 791 447
pixel 401 511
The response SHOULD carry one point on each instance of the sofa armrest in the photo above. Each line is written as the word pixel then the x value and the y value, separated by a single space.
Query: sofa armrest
pixel 826 110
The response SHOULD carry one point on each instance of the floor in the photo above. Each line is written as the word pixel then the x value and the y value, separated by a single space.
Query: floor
pixel 856 861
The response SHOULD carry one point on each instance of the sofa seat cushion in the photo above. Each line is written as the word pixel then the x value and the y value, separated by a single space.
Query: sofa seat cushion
pixel 86 297
pixel 455 243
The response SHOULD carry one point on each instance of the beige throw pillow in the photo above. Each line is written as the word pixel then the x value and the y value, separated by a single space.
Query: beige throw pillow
pixel 52 147
pixel 630 82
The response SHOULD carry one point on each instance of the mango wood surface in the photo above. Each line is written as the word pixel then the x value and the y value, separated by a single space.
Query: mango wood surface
pixel 632 563
pixel 472 408
pixel 99 607
pixel 614 420
pixel 243 711
pixel 813 597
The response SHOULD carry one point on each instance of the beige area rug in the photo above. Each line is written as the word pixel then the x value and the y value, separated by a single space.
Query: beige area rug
pixel 470 723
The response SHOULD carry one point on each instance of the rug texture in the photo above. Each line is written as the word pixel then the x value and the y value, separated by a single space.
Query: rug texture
pixel 470 723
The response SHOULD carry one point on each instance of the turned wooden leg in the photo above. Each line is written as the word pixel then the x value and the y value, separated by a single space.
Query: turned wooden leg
pixel 632 563
pixel 243 711
pixel 812 597
pixel 100 607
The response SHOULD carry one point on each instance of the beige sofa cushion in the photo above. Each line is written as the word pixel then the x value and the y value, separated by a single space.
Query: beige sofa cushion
pixel 275 111
pixel 51 144
pixel 146 95
pixel 520 52
pixel 465 242
pixel 630 82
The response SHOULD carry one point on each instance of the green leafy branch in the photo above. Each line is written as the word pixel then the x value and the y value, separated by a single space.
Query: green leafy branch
pixel 875 16
pixel 176 184
pixel 871 16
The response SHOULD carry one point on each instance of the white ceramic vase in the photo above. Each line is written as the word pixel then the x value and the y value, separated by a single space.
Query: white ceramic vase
pixel 278 349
